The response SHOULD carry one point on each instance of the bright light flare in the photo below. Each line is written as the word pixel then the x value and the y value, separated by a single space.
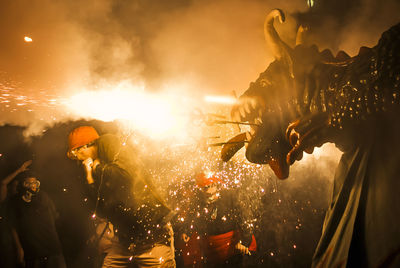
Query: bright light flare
pixel 316 154
pixel 159 116
pixel 220 99
pixel 28 39
pixel 328 150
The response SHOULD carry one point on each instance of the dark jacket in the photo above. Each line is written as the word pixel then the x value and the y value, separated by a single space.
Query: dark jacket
pixel 222 216
pixel 36 227
pixel 126 194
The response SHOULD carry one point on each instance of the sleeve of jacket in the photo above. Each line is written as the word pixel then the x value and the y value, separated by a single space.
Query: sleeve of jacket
pixel 114 181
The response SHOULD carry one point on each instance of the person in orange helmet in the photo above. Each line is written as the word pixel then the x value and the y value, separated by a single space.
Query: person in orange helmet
pixel 125 196
pixel 215 221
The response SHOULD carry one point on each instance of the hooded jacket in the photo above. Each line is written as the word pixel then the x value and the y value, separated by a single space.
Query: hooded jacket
pixel 126 195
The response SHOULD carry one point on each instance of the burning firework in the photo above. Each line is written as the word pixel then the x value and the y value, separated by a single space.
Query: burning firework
pixel 27 39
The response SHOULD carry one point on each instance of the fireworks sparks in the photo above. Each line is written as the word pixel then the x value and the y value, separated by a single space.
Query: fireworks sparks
pixel 22 106
pixel 27 39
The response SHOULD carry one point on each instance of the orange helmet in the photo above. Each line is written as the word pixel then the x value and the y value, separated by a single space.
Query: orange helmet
pixel 81 136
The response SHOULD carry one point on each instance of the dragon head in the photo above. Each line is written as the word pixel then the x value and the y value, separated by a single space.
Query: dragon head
pixel 271 103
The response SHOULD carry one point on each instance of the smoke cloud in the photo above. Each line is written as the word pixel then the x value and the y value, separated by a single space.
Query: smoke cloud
pixel 216 45
pixel 190 47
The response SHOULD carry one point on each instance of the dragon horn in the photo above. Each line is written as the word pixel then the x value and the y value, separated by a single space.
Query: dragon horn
pixel 301 32
pixel 279 48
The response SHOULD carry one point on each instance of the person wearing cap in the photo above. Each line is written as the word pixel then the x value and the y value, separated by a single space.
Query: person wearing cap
pixel 216 222
pixel 33 217
pixel 125 196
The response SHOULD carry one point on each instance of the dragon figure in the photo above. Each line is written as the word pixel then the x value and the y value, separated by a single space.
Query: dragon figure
pixel 308 97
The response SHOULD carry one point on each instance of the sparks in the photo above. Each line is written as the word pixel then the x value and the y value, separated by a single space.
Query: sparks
pixel 27 39
pixel 208 173
pixel 310 3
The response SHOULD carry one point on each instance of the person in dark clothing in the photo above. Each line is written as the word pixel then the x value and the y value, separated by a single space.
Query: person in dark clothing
pixel 125 196
pixel 33 215
pixel 8 257
pixel 216 222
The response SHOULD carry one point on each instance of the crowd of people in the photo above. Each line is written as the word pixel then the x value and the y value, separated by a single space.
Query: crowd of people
pixel 134 226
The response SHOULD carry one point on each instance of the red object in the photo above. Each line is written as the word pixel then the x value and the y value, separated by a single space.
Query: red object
pixel 216 248
pixel 253 244
pixel 81 136
pixel 204 180
pixel 221 247
pixel 191 251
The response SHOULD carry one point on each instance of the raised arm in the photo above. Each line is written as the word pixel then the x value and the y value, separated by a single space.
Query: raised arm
pixel 9 178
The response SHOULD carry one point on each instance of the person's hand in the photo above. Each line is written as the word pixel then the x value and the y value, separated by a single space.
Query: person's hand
pixel 96 162
pixel 25 166
pixel 88 164
pixel 185 238
pixel 20 256
pixel 242 249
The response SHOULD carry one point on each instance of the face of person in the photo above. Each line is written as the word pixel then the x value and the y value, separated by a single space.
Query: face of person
pixel 84 152
pixel 32 184
pixel 211 192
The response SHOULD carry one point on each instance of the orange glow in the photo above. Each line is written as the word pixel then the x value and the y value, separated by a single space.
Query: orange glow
pixel 220 99
pixel 157 115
